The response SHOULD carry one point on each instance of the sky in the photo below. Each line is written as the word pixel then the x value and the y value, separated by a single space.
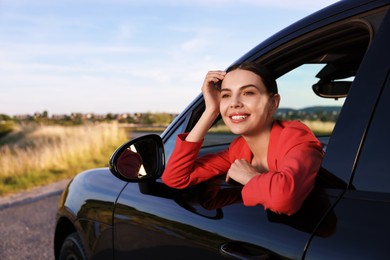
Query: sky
pixel 125 56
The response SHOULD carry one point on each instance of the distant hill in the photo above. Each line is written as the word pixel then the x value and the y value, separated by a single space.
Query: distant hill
pixel 322 113
pixel 314 109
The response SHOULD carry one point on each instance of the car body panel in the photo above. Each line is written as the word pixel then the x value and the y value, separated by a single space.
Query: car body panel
pixel 362 223
pixel 88 202
pixel 209 216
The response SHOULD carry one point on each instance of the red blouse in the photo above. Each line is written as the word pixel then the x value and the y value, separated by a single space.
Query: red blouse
pixel 294 158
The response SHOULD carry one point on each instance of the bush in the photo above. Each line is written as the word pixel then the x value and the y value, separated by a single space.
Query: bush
pixel 6 127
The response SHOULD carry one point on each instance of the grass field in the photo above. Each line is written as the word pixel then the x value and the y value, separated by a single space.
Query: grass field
pixel 37 155
pixel 319 128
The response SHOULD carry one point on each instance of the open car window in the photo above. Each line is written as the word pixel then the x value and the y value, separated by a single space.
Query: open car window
pixel 314 74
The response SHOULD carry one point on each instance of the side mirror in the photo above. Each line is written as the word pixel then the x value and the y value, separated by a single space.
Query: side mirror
pixel 141 159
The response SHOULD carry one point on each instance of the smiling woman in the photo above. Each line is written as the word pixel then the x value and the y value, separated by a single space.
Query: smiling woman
pixel 276 161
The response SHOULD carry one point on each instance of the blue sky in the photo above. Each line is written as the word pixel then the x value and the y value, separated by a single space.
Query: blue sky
pixel 117 56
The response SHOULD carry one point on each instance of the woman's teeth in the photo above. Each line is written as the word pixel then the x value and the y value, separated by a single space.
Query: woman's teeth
pixel 239 117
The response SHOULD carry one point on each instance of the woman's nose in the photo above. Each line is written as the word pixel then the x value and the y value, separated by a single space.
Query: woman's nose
pixel 235 102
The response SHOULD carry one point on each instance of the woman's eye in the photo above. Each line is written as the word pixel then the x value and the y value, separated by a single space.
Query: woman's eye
pixel 225 95
pixel 248 93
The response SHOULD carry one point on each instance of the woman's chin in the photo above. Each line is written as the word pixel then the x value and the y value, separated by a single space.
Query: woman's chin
pixel 237 130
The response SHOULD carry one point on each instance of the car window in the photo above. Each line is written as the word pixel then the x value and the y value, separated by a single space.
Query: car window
pixel 372 172
pixel 327 60
pixel 314 74
pixel 298 102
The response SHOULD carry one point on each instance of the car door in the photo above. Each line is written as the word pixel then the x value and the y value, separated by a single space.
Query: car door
pixel 361 154
pixel 208 221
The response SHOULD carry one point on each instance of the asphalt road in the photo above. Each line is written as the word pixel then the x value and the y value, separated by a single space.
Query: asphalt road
pixel 27 223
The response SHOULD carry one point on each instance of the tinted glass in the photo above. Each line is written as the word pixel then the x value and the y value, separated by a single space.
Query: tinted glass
pixel 372 172
pixel 170 143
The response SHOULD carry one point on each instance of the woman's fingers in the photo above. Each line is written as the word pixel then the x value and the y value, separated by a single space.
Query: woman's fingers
pixel 241 171
pixel 215 76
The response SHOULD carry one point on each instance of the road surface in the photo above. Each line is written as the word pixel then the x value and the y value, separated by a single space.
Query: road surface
pixel 27 223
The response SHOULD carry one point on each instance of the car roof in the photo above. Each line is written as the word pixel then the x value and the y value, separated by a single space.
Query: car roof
pixel 333 13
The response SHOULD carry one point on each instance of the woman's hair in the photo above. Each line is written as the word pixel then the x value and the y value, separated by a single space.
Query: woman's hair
pixel 261 71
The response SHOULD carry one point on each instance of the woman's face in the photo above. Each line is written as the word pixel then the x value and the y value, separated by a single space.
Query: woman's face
pixel 246 107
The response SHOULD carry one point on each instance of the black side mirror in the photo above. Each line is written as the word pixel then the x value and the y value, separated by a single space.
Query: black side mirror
pixel 141 159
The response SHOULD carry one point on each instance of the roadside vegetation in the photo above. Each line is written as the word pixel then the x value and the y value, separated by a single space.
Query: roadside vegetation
pixel 319 128
pixel 38 149
pixel 33 155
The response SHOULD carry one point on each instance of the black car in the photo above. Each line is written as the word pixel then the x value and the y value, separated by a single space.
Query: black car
pixel 340 53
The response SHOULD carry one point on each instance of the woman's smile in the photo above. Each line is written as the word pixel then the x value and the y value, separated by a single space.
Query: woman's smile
pixel 238 117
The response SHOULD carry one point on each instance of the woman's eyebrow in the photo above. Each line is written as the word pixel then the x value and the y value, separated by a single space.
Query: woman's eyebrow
pixel 248 86
pixel 241 88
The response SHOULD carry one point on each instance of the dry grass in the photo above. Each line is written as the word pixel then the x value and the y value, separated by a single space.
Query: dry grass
pixel 36 155
pixel 320 128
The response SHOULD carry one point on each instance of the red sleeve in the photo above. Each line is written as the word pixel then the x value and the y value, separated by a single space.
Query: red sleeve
pixel 185 169
pixel 298 155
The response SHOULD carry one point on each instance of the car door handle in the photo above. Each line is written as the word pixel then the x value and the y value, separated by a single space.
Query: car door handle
pixel 242 250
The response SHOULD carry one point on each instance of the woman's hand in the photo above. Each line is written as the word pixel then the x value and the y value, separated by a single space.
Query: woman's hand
pixel 241 171
pixel 212 98
pixel 210 93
